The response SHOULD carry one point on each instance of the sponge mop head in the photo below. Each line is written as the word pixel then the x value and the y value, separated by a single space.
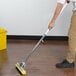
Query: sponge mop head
pixel 20 68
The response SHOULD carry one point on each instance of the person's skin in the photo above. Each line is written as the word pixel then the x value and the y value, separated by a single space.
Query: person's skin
pixel 56 14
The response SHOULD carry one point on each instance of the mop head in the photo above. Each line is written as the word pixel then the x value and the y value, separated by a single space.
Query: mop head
pixel 20 69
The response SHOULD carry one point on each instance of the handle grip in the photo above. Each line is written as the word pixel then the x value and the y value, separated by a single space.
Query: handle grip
pixel 47 31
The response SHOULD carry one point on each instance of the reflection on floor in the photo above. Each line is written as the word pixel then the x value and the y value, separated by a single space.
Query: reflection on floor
pixel 42 61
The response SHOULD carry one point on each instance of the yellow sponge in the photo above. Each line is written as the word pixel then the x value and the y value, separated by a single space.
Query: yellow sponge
pixel 20 69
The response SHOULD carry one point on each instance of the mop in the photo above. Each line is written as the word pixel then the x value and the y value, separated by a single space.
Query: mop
pixel 21 66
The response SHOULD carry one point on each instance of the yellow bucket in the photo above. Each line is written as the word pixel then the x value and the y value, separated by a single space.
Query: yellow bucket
pixel 3 39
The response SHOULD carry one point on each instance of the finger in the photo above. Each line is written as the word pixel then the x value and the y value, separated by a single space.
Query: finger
pixel 50 28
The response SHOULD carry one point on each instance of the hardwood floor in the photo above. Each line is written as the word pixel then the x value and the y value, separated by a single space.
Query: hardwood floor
pixel 42 61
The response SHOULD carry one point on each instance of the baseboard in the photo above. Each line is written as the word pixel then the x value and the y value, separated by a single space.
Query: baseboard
pixel 36 37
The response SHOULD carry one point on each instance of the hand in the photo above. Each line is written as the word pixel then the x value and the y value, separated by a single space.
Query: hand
pixel 51 25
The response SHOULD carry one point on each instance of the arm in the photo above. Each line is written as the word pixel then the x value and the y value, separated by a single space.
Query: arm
pixel 56 14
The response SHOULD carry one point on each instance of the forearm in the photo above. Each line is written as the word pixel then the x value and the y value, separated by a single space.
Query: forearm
pixel 57 12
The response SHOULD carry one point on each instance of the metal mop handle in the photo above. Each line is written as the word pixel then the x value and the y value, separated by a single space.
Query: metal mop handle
pixel 36 45
pixel 63 7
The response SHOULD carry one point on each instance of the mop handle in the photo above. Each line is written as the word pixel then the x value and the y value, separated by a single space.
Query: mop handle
pixel 33 50
pixel 41 39
pixel 63 7
pixel 47 31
